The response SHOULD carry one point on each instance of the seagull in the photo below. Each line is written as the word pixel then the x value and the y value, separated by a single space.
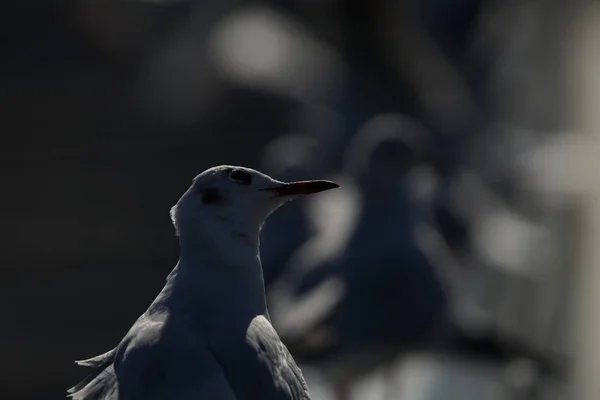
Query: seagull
pixel 208 334
pixel 382 294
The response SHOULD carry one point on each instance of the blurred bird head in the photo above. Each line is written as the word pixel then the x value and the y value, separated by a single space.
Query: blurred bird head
pixel 384 150
pixel 235 198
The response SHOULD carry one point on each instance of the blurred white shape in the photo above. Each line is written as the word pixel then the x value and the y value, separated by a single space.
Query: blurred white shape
pixel 317 384
pixel 455 379
pixel 310 309
pixel 505 239
pixel 257 46
pixel 501 237
pixel 548 166
pixel 422 377
pixel 333 216
pixel 426 377
pixel 372 387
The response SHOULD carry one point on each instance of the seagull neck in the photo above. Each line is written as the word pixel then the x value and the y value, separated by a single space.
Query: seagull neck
pixel 230 245
pixel 213 276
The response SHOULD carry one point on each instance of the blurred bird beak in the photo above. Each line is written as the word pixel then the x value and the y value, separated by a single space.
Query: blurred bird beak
pixel 303 187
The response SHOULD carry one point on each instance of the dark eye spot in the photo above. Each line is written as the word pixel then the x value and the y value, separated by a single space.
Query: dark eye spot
pixel 240 176
pixel 210 196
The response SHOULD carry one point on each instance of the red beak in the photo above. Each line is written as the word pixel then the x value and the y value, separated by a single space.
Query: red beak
pixel 302 187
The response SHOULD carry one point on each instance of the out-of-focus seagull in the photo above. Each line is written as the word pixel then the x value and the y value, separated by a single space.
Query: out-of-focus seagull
pixel 208 334
pixel 382 294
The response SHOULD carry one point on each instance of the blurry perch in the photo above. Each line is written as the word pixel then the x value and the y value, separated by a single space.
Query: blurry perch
pixel 380 296
pixel 207 335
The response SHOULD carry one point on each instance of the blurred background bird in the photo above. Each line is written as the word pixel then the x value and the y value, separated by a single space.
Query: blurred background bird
pixel 385 294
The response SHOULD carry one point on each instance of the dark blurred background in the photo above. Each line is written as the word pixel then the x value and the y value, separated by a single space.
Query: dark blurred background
pixel 110 107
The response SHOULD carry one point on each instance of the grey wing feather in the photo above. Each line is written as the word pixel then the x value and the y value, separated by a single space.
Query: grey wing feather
pixel 101 386
pixel 286 374
pixel 99 363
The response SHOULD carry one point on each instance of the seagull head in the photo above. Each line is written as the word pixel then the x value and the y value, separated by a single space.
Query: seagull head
pixel 384 151
pixel 235 199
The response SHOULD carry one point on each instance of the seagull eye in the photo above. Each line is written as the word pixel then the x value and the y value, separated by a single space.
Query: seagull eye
pixel 240 176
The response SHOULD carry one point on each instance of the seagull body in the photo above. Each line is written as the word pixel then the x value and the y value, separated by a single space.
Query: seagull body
pixel 208 333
